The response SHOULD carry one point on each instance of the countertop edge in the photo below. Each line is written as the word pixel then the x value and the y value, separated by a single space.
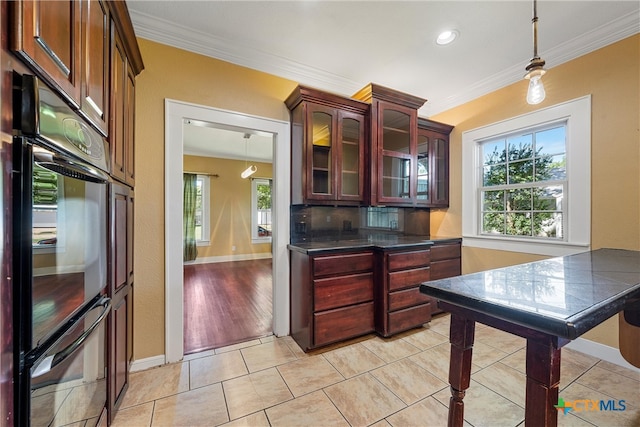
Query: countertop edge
pixel 344 246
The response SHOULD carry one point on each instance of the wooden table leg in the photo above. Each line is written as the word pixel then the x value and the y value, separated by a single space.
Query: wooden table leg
pixel 543 379
pixel 461 336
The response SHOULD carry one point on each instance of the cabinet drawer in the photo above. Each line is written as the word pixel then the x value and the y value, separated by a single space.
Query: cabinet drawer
pixel 446 268
pixel 408 278
pixel 409 318
pixel 340 291
pixel 407 298
pixel 342 264
pixel 402 260
pixel 343 323
pixel 445 252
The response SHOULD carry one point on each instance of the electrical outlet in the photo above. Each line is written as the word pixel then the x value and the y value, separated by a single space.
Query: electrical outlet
pixel 233 248
pixel 328 218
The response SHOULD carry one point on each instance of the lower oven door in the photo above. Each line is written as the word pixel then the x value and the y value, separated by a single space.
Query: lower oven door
pixel 68 381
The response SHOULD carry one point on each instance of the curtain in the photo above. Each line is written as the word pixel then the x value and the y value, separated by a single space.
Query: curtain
pixel 190 251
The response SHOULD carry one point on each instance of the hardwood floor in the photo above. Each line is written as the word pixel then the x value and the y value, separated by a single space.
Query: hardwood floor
pixel 226 303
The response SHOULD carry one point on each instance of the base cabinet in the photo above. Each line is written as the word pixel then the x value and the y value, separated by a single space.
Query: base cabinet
pixel 120 321
pixel 446 261
pixel 331 297
pixel 344 295
pixel 400 305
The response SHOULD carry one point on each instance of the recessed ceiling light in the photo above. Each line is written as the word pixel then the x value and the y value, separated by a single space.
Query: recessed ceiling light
pixel 447 37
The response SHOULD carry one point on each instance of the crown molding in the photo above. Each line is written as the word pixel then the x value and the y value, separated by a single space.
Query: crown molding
pixel 168 33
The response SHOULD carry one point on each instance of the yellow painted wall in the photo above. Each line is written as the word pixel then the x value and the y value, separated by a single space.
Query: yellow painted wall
pixel 230 200
pixel 611 76
pixel 179 75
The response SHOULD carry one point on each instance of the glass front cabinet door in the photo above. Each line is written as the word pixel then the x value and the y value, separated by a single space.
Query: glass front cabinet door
pixel 433 163
pixel 396 153
pixel 328 135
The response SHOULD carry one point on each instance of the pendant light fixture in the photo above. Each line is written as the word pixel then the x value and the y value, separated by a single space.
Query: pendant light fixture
pixel 535 69
pixel 251 169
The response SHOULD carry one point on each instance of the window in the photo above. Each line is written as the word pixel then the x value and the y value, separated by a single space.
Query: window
pixel 203 210
pixel 260 210
pixel 523 183
pixel 526 182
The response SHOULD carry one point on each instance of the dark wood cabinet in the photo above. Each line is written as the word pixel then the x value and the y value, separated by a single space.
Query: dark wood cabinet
pixel 94 89
pixel 446 261
pixel 67 44
pixel 47 36
pixel 121 134
pixel 399 304
pixel 120 323
pixel 331 297
pixel 328 142
pixel 393 149
pixel 129 142
pixel 433 163
pixel 117 135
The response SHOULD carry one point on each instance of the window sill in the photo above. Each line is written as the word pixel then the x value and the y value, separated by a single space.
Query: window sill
pixel 536 247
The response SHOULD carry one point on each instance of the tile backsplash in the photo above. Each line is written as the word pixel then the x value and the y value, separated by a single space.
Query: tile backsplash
pixel 323 223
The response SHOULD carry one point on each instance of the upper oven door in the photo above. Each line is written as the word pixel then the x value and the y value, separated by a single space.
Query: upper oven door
pixel 68 233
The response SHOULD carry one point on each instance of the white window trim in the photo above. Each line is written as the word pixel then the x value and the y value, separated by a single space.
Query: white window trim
pixel 206 208
pixel 577 114
pixel 254 211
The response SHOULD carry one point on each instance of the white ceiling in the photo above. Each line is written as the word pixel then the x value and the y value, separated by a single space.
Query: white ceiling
pixel 341 46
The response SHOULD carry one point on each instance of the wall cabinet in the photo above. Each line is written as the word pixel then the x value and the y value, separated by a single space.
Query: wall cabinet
pixel 121 134
pixel 393 150
pixel 433 163
pixel 328 142
pixel 399 304
pixel 47 36
pixel 331 297
pixel 67 44
pixel 94 89
pixel 120 323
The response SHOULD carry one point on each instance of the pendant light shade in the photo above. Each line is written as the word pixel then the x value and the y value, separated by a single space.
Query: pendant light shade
pixel 535 69
pixel 249 171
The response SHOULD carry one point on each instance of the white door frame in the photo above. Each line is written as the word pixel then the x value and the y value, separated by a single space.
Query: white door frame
pixel 175 114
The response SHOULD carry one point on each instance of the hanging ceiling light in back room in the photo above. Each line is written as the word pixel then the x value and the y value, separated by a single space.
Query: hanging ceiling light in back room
pixel 535 69
pixel 250 170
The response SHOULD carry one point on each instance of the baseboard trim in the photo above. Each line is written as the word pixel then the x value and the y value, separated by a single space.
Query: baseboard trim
pixel 227 258
pixel 602 352
pixel 147 363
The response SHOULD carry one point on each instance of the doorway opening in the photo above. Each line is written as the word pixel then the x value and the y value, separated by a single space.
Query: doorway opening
pixel 227 269
pixel 176 113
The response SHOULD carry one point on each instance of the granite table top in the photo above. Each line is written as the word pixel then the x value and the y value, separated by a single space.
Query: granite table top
pixel 563 296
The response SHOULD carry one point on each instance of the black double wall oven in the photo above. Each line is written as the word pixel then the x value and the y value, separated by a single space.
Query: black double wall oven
pixel 60 183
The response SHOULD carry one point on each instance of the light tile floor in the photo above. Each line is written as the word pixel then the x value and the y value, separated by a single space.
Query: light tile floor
pixel 401 381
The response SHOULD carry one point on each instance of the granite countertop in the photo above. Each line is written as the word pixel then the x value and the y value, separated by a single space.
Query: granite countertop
pixel 384 242
pixel 564 296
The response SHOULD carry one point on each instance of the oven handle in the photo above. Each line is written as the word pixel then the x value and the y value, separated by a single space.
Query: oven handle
pixel 50 362
pixel 68 167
